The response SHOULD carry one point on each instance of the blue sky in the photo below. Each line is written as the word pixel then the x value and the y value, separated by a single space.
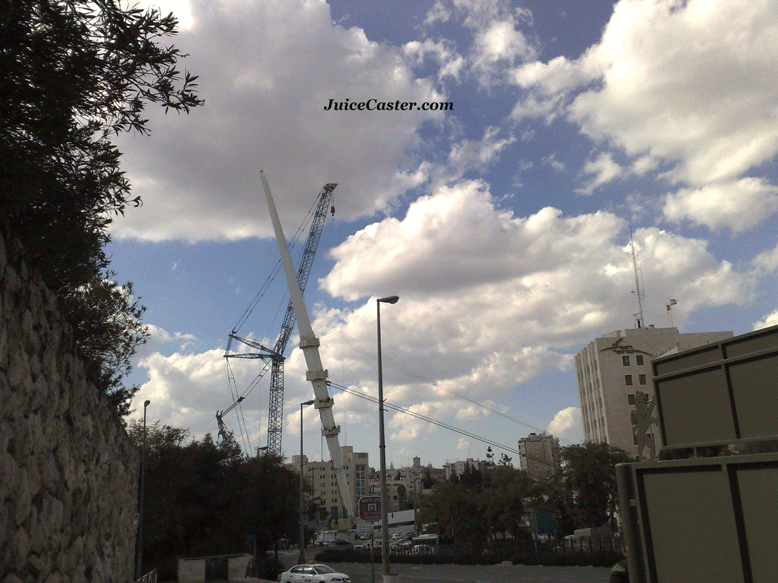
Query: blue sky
pixel 503 224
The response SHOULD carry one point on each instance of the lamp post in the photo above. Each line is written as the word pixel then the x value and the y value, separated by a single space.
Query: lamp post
pixel 301 559
pixel 382 445
pixel 139 554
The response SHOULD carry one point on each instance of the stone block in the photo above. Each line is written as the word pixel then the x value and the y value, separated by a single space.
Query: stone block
pixel 23 498
pixel 21 546
pixel 19 375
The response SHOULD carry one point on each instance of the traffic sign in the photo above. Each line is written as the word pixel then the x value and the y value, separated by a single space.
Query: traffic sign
pixel 370 508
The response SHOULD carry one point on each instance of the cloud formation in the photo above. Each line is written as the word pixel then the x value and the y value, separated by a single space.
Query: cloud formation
pixel 687 83
pixel 198 174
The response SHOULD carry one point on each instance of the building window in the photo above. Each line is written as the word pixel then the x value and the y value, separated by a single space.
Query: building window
pixel 631 398
pixel 625 360
pixel 639 359
pixel 633 417
pixel 642 379
pixel 628 379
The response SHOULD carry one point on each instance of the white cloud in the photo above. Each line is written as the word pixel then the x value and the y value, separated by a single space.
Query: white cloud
pixel 478 155
pixel 603 169
pixel 159 337
pixel 489 300
pixel 767 261
pixel 769 320
pixel 551 161
pixel 450 62
pixel 198 174
pixel 565 422
pixel 688 83
pixel 738 205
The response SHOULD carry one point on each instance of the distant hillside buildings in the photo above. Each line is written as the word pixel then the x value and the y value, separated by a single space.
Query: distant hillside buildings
pixel 612 368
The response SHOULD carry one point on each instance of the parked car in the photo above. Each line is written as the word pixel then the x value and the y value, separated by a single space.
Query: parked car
pixel 317 573
pixel 341 541
pixel 421 550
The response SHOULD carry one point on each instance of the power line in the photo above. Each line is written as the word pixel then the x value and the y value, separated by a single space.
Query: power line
pixel 346 339
pixel 436 422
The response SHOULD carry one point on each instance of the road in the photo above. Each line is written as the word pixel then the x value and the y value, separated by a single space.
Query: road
pixel 361 572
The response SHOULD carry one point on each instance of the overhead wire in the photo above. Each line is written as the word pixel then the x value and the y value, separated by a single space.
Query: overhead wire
pixel 432 421
pixel 358 347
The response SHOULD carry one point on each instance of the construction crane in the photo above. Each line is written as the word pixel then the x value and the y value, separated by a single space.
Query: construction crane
pixel 274 358
pixel 224 433
pixel 309 344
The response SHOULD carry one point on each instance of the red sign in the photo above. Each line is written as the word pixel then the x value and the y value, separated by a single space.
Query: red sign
pixel 370 508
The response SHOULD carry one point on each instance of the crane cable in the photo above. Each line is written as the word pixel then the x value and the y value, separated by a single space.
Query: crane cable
pixel 274 272
pixel 246 314
pixel 436 422
pixel 358 347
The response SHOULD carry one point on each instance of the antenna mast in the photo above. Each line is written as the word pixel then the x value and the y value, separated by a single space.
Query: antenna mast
pixel 638 290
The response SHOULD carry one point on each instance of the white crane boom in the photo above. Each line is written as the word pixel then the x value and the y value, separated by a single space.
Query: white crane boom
pixel 310 347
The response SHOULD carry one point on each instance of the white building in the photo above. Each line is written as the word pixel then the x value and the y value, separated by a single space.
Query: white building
pixel 321 477
pixel 610 369
pixel 458 468
pixel 539 455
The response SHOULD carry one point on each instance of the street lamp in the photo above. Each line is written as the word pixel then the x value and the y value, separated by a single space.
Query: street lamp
pixel 139 555
pixel 382 445
pixel 301 559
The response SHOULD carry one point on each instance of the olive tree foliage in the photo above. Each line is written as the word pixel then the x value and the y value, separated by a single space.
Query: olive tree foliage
pixel 73 74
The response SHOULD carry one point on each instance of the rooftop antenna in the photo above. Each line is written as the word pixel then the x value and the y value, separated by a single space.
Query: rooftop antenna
pixel 638 290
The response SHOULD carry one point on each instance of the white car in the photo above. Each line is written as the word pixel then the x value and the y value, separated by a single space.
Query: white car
pixel 313 574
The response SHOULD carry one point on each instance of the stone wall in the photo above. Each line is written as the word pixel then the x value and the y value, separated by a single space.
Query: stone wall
pixel 68 470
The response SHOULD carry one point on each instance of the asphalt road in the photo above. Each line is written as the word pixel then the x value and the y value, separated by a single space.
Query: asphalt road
pixel 361 572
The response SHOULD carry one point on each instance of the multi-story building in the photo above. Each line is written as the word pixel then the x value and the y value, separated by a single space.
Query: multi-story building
pixel 458 468
pixel 321 477
pixel 401 484
pixel 539 455
pixel 612 368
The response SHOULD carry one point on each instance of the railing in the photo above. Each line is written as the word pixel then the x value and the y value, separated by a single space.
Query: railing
pixel 150 577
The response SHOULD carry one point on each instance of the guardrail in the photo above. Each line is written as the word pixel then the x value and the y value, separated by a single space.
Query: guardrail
pixel 150 577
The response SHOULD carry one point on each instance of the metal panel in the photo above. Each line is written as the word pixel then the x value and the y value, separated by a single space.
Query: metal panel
pixel 764 339
pixel 691 526
pixel 755 391
pixel 695 408
pixel 758 486
pixel 706 519
pixel 688 359
pixel 735 398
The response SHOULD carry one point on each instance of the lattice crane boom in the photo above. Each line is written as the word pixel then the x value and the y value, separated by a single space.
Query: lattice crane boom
pixel 309 345
pixel 275 417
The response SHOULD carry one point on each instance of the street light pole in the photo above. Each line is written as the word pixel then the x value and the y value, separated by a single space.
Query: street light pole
pixel 382 445
pixel 139 554
pixel 301 559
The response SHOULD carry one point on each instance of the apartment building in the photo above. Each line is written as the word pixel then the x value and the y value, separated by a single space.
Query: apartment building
pixel 321 477
pixel 612 368
pixel 539 455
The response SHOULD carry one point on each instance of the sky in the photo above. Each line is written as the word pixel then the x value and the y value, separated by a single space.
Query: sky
pixel 503 222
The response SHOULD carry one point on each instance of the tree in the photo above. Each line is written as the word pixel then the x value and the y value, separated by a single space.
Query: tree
pixel 203 498
pixel 74 73
pixel 503 493
pixel 402 494
pixel 589 473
